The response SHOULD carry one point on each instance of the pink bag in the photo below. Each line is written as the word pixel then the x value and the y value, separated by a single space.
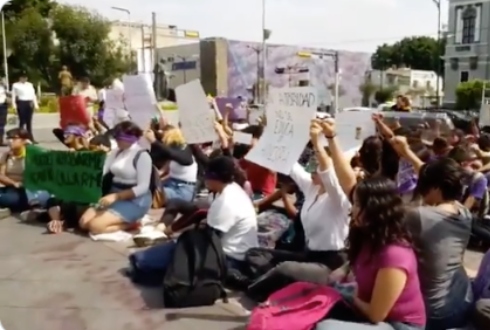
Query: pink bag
pixel 299 306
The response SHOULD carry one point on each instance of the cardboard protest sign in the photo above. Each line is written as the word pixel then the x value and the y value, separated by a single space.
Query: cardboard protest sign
pixel 73 110
pixel 70 176
pixel 289 114
pixel 195 116
pixel 353 127
pixel 140 101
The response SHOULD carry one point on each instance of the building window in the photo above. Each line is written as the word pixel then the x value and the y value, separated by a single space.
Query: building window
pixel 464 76
pixel 469 25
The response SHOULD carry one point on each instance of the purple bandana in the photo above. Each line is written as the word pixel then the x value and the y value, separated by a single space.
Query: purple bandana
pixel 74 130
pixel 127 138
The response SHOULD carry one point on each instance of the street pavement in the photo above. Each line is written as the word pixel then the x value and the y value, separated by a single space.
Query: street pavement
pixel 68 282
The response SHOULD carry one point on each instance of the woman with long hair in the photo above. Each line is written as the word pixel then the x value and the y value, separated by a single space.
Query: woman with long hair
pixel 180 181
pixel 441 229
pixel 383 262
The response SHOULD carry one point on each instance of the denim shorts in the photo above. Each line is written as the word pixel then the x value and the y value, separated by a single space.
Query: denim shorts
pixel 37 198
pixel 131 211
pixel 178 189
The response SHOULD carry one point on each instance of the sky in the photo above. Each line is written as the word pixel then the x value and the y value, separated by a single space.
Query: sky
pixel 358 25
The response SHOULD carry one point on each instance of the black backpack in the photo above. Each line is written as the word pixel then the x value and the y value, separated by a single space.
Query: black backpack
pixel 197 272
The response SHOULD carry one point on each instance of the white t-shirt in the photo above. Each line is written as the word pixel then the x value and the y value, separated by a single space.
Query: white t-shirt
pixel 121 164
pixel 233 214
pixel 184 173
pixel 325 217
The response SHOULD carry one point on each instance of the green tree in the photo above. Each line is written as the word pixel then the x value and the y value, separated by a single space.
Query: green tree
pixel 30 41
pixel 385 94
pixel 367 90
pixel 14 8
pixel 469 94
pixel 84 44
pixel 418 53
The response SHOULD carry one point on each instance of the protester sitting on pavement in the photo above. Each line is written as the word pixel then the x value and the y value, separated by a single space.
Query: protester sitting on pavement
pixel 383 262
pixel 129 169
pixel 62 215
pixel 441 230
pixel 325 218
pixel 231 214
pixel 186 209
pixel 13 196
pixel 73 136
pixel 180 182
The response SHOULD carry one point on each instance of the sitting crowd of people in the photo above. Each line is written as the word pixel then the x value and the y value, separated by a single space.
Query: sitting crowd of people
pixel 393 221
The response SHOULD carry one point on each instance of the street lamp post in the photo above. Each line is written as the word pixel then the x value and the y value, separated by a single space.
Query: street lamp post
pixel 128 12
pixel 438 83
pixel 260 62
pixel 5 55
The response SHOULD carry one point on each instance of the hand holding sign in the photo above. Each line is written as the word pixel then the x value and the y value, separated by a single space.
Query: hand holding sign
pixel 328 127
pixel 315 130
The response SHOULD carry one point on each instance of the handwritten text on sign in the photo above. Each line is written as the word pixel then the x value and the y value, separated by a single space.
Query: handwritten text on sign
pixel 289 113
pixel 71 176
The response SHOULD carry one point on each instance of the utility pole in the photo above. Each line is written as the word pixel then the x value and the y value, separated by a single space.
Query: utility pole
pixel 335 57
pixel 143 50
pixel 257 89
pixel 154 38
pixel 438 83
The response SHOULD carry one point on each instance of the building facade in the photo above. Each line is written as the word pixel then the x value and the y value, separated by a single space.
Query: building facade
pixel 419 85
pixel 468 45
pixel 138 37
pixel 230 68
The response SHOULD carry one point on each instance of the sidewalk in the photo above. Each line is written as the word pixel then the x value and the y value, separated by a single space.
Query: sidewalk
pixel 68 282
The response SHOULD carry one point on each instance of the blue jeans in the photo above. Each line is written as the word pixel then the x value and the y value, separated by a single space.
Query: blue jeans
pixel 37 198
pixel 13 198
pixel 457 308
pixel 178 189
pixel 158 257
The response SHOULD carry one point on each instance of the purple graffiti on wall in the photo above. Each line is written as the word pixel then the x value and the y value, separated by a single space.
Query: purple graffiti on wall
pixel 242 69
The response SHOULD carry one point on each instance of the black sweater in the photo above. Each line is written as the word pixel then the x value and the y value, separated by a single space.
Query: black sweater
pixel 161 153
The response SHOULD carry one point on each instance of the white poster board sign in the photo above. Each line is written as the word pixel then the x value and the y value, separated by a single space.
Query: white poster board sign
pixel 140 100
pixel 353 127
pixel 114 101
pixel 289 114
pixel 195 116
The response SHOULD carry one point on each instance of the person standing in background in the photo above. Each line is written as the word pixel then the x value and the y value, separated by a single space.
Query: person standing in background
pixel 3 109
pixel 66 79
pixel 88 92
pixel 24 101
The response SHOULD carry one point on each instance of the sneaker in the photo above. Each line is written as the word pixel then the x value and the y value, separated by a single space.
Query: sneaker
pixel 149 237
pixel 5 213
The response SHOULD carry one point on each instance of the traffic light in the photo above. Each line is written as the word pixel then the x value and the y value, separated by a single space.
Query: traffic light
pixel 279 70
